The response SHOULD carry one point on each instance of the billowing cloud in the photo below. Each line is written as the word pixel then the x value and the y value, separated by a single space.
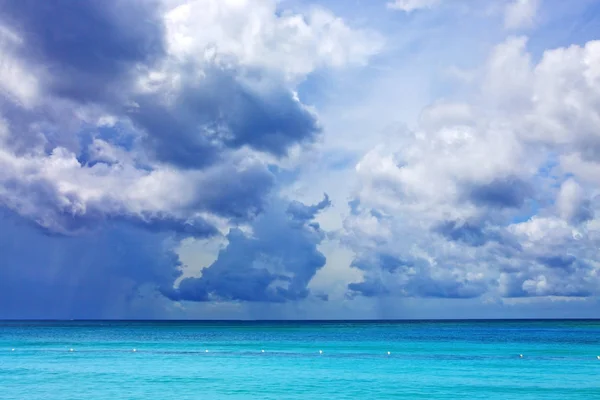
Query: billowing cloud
pixel 223 111
pixel 487 200
pixel 84 50
pixel 272 263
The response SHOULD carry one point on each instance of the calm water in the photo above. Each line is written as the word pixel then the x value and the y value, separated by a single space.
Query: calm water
pixel 427 360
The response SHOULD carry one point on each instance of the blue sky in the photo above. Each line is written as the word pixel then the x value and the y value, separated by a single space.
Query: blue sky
pixel 293 159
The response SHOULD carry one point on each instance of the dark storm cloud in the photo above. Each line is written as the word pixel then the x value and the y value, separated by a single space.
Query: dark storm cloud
pixel 224 110
pixel 99 275
pixel 88 47
pixel 91 51
pixel 274 263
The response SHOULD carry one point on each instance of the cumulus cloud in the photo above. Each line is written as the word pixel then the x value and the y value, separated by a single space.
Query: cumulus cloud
pixel 64 195
pixel 273 263
pixel 412 5
pixel 257 35
pixel 84 50
pixel 486 200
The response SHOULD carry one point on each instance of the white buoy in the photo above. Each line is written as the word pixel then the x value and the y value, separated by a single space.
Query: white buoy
pixel 596 356
pixel 520 355
pixel 70 350
pixel 320 351
pixel 262 351
pixel 206 351
pixel 389 353
pixel 134 350
pixel 13 350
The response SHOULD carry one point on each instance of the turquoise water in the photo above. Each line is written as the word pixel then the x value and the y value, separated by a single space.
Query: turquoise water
pixel 427 360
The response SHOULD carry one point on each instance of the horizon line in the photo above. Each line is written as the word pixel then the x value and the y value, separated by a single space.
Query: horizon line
pixel 295 320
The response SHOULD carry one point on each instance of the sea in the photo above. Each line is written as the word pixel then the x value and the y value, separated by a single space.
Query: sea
pixel 524 359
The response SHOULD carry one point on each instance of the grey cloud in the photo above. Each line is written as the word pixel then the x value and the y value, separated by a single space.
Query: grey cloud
pixel 510 192
pixel 114 272
pixel 384 261
pixel 370 288
pixel 227 191
pixel 557 261
pixel 465 232
pixel 387 274
pixel 86 48
pixel 304 213
pixel 227 109
pixel 274 263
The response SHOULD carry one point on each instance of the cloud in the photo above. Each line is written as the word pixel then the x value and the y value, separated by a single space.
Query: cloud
pixel 521 14
pixel 226 109
pixel 485 200
pixel 63 195
pixel 572 204
pixel 260 36
pixel 412 5
pixel 463 232
pixel 505 192
pixel 417 278
pixel 273 263
pixel 85 50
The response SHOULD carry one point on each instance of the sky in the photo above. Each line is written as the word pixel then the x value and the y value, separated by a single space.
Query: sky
pixel 291 159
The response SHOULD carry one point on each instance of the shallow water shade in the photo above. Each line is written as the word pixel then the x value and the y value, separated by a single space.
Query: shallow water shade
pixel 216 360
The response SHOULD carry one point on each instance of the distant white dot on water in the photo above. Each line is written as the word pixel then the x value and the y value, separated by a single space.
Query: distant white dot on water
pixel 389 353
pixel 71 350
pixel 262 351
pixel 520 355
pixel 320 351
pixel 206 351
pixel 134 350
pixel 598 357
pixel 13 350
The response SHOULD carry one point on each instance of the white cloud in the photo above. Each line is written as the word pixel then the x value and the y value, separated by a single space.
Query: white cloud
pixel 450 190
pixel 17 82
pixel 412 5
pixel 509 75
pixel 252 34
pixel 520 14
pixel 565 99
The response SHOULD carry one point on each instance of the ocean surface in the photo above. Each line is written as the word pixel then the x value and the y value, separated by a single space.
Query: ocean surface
pixel 300 360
